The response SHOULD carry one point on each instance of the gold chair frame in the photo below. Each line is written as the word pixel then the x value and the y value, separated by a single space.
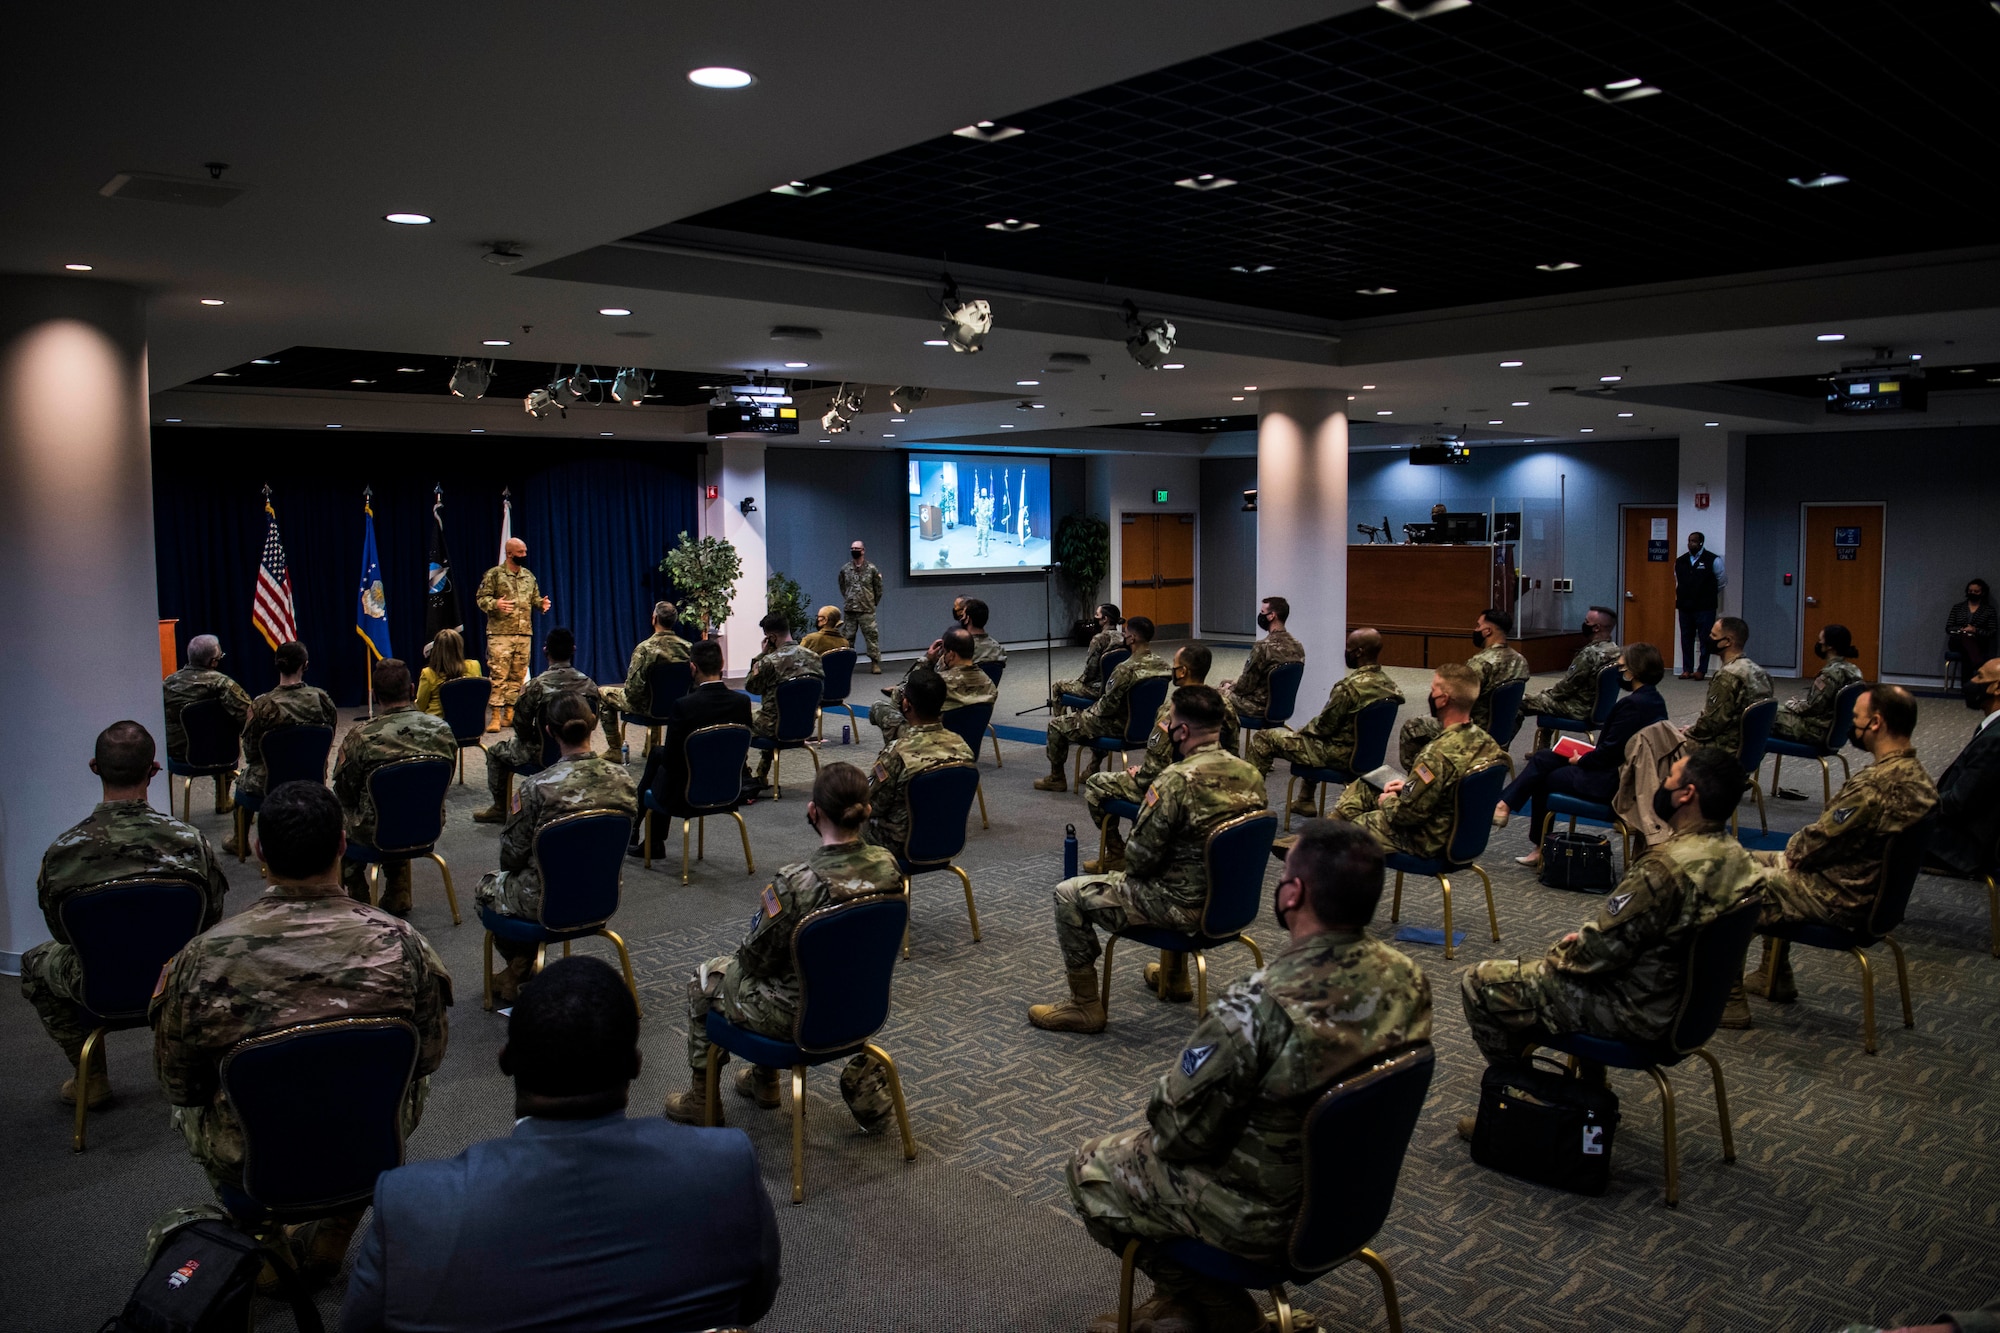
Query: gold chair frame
pixel 714 1077
pixel 701 846
pixel 1444 884
pixel 1280 1300
pixel 602 928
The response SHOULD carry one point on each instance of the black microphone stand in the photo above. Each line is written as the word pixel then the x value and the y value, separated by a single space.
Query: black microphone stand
pixel 1048 641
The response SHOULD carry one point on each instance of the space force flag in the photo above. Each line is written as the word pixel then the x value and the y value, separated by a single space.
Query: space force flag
pixel 442 610
pixel 371 608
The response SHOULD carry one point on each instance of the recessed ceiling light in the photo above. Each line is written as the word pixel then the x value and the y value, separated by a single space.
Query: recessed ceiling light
pixel 1495 422
pixel 1509 365
pixel 888 435
pixel 210 300
pixel 1366 387
pixel 1028 383
pixel 899 418
pixel 1624 90
pixel 264 361
pixel 1609 379
pixel 1249 388
pixel 407 219
pixel 1350 397
pixel 173 421
pixel 1384 413
pixel 795 365
pixel 986 131
pixel 1588 430
pixel 1522 402
pixel 1711 423
pixel 1174 365
pixel 361 381
pixel 799 189
pixel 604 432
pixel 1006 425
pixel 1253 268
pixel 613 310
pixel 1560 266
pixel 1208 180
pixel 479 430
pixel 1420 9
pixel 1012 224
pixel 1626 414
pixel 223 375
pixel 720 76
pixel 77 268
pixel 497 342
pixel 408 370
pixel 333 425
pixel 936 342
pixel 1374 291
pixel 1237 398
pixel 1830 337
pixel 1819 182
pixel 1149 414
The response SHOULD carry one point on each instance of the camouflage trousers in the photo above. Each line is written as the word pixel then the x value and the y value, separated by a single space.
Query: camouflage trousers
pixel 1357 806
pixel 1114 786
pixel 215 1139
pixel 1124 1192
pixel 507 663
pixel 504 759
pixel 864 1084
pixel 1068 730
pixel 1556 704
pixel 1512 1005
pixel 889 720
pixel 1270 744
pixel 859 626
pixel 51 980
pixel 1798 728
pixel 1091 689
pixel 1791 898
pixel 613 720
pixel 1090 903
pixel 395 881
pixel 516 893
pixel 1244 703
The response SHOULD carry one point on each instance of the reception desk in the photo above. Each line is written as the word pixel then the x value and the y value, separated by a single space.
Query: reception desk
pixel 1424 600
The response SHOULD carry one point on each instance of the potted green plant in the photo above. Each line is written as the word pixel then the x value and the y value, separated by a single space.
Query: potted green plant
pixel 704 574
pixel 784 597
pixel 1083 546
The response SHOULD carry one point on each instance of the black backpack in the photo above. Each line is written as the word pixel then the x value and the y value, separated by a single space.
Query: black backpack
pixel 1546 1125
pixel 201 1281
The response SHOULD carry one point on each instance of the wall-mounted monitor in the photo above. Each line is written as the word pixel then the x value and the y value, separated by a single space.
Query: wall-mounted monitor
pixel 978 513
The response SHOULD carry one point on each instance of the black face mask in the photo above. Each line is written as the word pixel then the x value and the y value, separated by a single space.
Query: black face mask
pixel 1626 682
pixel 1663 804
pixel 1479 638
pixel 1175 741
pixel 1278 913
pixel 1973 596
pixel 1857 738
pixel 1264 620
pixel 1715 646
pixel 1588 628
pixel 1819 651
pixel 1432 701
pixel 1353 659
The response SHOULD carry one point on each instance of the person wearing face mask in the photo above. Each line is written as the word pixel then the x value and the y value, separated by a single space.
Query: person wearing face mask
pixel 1592 775
pixel 1328 740
pixel 1806 720
pixel 1575 695
pixel 1972 633
pixel 1622 976
pixel 1738 683
pixel 1106 717
pixel 965 684
pixel 923 743
pixel 1221 1157
pixel 1090 681
pixel 860 586
pixel 1830 870
pixel 1415 814
pixel 1968 827
pixel 1698 583
pixel 1495 663
pixel 757 987
pixel 1165 879
pixel 1250 692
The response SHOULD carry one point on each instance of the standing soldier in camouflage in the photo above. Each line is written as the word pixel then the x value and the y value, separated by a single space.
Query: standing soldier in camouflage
pixel 1328 740
pixel 397 731
pixel 924 744
pixel 781 660
pixel 1575 695
pixel 1221 1157
pixel 577 781
pixel 1496 664
pixel 861 592
pixel 1165 879
pixel 1106 717
pixel 1739 682
pixel 632 697
pixel 757 987
pixel 1191 666
pixel 123 837
pixel 1830 871
pixel 1090 682
pixel 1414 815
pixel 1807 720
pixel 202 679
pixel 509 596
pixel 1620 977
pixel 302 952
pixel 964 684
pixel 293 704
pixel 522 752
pixel 1251 691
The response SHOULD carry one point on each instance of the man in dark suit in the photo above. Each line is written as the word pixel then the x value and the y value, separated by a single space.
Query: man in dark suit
pixel 708 703
pixel 1968 826
pixel 582 1219
pixel 1698 580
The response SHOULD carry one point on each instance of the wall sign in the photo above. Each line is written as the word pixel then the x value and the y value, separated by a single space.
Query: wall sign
pixel 1160 496
pixel 1656 551
pixel 1847 536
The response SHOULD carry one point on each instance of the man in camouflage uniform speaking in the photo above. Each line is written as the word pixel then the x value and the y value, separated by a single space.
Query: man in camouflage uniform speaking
pixel 202 679
pixel 397 731
pixel 1621 977
pixel 522 752
pixel 1106 717
pixel 924 744
pixel 1414 815
pixel 1165 879
pixel 757 988
pixel 1328 740
pixel 302 952
pixel 509 596
pixel 781 660
pixel 577 781
pixel 1221 1157
pixel 631 697
pixel 861 592
pixel 122 838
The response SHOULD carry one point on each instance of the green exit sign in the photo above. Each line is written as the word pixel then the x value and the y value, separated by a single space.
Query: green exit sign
pixel 1160 496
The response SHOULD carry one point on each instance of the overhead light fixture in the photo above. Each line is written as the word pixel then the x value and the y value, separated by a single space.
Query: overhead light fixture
pixel 966 323
pixel 604 432
pixel 223 375
pixel 1027 384
pixel 333 425
pixel 800 189
pixel 78 268
pixel 1496 422
pixel 905 397
pixel 573 389
pixel 1711 423
pixel 1006 425
pixel 470 379
pixel 846 406
pixel 478 430
pixel 210 300
pixel 613 310
pixel 899 419
pixel 497 342
pixel 1830 337
pixel 1627 414
pixel 1509 365
pixel 1521 403
pixel 408 219
pixel 361 381
pixel 1249 388
pixel 542 403
pixel 1149 414
pixel 797 365
pixel 400 370
pixel 1421 9
pixel 173 421
pixel 986 131
pixel 264 361
pixel 1148 341
pixel 503 254
pixel 888 435
pixel 1374 291
pixel 1560 266
pixel 1367 387
pixel 1012 224
pixel 1208 180
pixel 1253 268
pixel 631 385
pixel 1819 182
pixel 720 76
pixel 1385 412
pixel 1624 90
pixel 1174 365
pixel 936 342
pixel 1588 430
pixel 1609 379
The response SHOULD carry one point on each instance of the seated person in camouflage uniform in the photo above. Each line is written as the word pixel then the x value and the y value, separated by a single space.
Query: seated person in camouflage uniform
pixel 1575 695
pixel 756 987
pixel 1165 880
pixel 781 660
pixel 1191 664
pixel 122 838
pixel 1830 871
pixel 1738 683
pixel 924 744
pixel 1220 1158
pixel 1107 716
pixel 1495 664
pixel 826 637
pixel 632 696
pixel 1090 681
pixel 293 704
pixel 1414 815
pixel 1328 740
pixel 575 782
pixel 201 679
pixel 302 952
pixel 1806 720
pixel 985 648
pixel 522 752
pixel 964 684
pixel 397 731
pixel 1250 692
pixel 1620 977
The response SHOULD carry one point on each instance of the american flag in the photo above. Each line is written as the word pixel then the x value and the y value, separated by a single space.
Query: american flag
pixel 271 602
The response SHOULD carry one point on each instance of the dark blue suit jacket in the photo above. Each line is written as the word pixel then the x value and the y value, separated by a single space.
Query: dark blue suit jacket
pixel 1968 824
pixel 1639 709
pixel 606 1223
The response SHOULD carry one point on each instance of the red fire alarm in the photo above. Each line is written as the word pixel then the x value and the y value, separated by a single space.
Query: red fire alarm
pixel 715 493
pixel 1701 499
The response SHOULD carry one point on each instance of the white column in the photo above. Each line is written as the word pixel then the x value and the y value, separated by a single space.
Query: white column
pixel 76 542
pixel 1302 525
pixel 741 477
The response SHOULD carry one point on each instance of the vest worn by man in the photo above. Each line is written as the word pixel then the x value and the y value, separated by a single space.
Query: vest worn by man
pixel 1695 586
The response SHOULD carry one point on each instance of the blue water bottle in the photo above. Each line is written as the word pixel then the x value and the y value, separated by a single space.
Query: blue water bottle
pixel 1069 851
pixel 845 737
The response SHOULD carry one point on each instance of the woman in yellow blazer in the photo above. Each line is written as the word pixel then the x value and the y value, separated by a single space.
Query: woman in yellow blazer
pixel 447 662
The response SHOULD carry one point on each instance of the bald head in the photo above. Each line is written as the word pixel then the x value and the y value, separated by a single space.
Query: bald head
pixel 517 550
pixel 204 651
pixel 1364 646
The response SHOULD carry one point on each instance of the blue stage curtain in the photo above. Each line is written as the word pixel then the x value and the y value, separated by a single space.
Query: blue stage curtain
pixel 596 522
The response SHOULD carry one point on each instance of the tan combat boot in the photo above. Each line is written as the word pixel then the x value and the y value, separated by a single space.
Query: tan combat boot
pixel 1112 859
pixel 98 1085
pixel 1055 781
pixel 1161 1314
pixel 1174 967
pixel 323 1245
pixel 1081 1012
pixel 493 722
pixel 492 814
pixel 691 1107
pixel 1305 805
pixel 1736 1010
pixel 507 982
pixel 759 1084
pixel 395 888
pixel 1773 979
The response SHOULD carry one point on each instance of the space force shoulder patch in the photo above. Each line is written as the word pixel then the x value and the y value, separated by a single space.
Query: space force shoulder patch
pixel 1842 815
pixel 1194 1057
pixel 1616 903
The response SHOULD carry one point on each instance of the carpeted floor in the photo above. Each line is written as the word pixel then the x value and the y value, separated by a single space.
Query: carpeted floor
pixel 1865 1188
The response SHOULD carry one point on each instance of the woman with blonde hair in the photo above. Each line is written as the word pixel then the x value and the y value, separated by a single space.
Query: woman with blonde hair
pixel 445 661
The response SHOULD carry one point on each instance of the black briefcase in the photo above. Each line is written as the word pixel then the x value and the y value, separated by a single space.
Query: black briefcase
pixel 1577 861
pixel 1543 1124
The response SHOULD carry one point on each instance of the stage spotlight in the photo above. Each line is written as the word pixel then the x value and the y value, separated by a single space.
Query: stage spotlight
pixel 1150 341
pixel 469 379
pixel 631 385
pixel 541 403
pixel 840 413
pixel 572 389
pixel 905 397
pixel 966 323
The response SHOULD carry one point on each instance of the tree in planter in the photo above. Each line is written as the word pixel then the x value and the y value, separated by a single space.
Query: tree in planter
pixel 1083 545
pixel 704 574
pixel 784 597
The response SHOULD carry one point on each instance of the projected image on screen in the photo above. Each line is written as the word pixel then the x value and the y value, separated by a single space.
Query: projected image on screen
pixel 978 512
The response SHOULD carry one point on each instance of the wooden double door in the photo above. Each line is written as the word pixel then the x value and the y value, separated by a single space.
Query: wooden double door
pixel 1156 561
